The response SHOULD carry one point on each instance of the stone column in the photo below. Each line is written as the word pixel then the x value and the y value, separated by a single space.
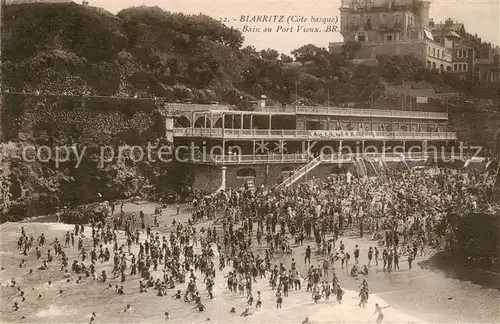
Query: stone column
pixel 223 181
pixel 169 128
pixel 266 175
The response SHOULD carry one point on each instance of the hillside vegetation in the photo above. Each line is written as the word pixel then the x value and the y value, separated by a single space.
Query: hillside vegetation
pixel 145 52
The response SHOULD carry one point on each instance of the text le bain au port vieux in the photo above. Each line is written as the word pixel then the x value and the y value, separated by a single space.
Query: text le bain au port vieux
pixel 283 23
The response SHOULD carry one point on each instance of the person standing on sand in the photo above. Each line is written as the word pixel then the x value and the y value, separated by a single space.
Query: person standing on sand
pixel 340 294
pixel 326 267
pixel 308 255
pixel 258 304
pixel 410 259
pixel 347 257
pixel 279 299
pixel 370 255
pixel 378 310
pixel 396 260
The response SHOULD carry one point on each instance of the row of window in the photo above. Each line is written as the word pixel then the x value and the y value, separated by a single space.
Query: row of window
pixel 462 53
pixel 434 66
pixel 435 52
pixel 460 67
pixel 384 17
pixel 389 37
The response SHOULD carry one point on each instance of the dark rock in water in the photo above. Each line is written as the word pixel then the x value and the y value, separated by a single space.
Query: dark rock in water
pixel 472 251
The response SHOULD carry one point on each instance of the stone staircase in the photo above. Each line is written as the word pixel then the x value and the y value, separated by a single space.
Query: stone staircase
pixel 311 165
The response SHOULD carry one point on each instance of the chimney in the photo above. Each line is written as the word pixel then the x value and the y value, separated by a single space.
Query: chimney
pixel 424 12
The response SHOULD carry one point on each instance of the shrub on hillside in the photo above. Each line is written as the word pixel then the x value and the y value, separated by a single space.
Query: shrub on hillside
pixel 84 214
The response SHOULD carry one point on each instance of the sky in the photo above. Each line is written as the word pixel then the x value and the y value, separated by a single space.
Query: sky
pixel 479 16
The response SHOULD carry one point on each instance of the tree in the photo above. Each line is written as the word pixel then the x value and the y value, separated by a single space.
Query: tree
pixel 232 38
pixel 249 50
pixel 307 52
pixel 286 58
pixel 269 54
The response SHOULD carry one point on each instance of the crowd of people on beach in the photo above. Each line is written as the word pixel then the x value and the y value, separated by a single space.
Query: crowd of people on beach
pixel 249 233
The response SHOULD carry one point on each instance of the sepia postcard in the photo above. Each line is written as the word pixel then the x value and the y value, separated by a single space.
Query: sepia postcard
pixel 238 161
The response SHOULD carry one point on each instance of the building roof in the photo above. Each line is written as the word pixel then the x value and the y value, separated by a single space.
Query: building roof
pixel 456 27
pixel 485 61
pixel 379 3
pixel 444 32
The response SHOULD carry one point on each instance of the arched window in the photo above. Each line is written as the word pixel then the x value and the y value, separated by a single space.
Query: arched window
pixel 246 173
pixel 182 122
pixel 201 123
pixel 218 123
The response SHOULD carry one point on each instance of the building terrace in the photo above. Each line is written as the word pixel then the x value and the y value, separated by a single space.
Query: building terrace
pixel 306 122
pixel 197 110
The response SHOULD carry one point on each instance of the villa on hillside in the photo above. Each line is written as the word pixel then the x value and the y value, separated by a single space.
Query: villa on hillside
pixel 402 27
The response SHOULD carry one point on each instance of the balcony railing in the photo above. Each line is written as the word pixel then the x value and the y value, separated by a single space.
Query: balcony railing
pixel 414 25
pixel 354 112
pixel 247 159
pixel 309 134
pixel 305 158
pixel 198 107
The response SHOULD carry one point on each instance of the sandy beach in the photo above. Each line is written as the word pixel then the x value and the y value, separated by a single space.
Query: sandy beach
pixel 415 295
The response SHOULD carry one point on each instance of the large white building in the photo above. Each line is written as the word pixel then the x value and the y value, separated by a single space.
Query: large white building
pixel 393 27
